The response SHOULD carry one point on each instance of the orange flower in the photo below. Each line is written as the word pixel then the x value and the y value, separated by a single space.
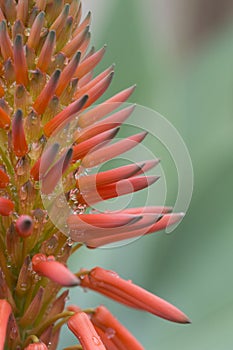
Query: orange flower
pixel 6 206
pixel 36 346
pixel 54 270
pixel 113 330
pixel 5 311
pixel 47 82
pixel 111 285
pixel 84 330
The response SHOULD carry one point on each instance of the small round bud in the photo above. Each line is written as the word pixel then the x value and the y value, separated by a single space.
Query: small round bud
pixel 24 225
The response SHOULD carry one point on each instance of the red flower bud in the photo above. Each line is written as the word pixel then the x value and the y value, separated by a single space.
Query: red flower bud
pixel 24 225
pixel 54 270
pixel 6 206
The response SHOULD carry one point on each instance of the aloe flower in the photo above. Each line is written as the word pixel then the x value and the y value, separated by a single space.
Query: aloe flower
pixel 47 82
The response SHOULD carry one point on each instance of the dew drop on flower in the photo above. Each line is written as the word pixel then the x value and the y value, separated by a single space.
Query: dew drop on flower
pixel 61 202
pixel 23 193
pixel 110 333
pixel 78 233
pixel 113 274
pixel 69 242
pixel 20 168
pixel 23 286
pixel 13 333
pixel 95 340
pixel 27 32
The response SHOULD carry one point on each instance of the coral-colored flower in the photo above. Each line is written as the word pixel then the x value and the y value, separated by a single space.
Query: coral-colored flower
pixel 47 83
pixel 111 285
pixel 84 330
pixel 36 346
pixel 6 206
pixel 24 225
pixel 54 270
pixel 4 179
pixel 5 311
pixel 113 330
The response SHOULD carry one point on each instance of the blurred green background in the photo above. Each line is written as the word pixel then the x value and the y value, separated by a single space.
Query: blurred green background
pixel 180 56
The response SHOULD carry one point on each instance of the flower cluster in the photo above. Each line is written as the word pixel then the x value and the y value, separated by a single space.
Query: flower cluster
pixel 47 81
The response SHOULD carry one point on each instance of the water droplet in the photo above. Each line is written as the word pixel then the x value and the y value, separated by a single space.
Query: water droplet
pixel 27 31
pixel 20 167
pixel 23 193
pixel 69 242
pixel 13 332
pixel 110 333
pixel 113 274
pixel 96 340
pixel 78 234
pixel 37 278
pixel 23 286
pixel 61 202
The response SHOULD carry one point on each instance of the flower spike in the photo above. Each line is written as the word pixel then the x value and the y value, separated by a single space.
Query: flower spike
pixel 52 138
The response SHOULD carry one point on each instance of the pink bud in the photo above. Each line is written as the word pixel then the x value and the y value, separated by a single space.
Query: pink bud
pixel 24 225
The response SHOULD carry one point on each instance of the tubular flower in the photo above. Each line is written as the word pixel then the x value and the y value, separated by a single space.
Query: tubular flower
pixel 5 311
pixel 50 138
pixel 111 285
pixel 84 330
pixel 112 331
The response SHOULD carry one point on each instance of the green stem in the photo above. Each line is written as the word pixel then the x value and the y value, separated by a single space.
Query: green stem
pixel 50 321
